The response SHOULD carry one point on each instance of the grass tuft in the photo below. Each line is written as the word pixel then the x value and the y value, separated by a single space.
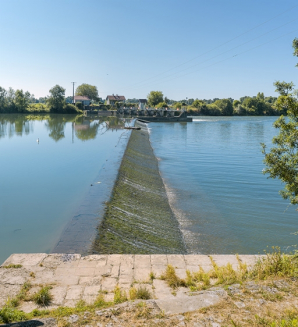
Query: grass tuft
pixel 276 264
pixel 171 278
pixel 12 266
pixel 139 293
pixel 43 297
pixel 100 301
pixel 119 295
pixel 152 276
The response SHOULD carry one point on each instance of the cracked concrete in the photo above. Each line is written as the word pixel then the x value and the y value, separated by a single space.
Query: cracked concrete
pixel 75 278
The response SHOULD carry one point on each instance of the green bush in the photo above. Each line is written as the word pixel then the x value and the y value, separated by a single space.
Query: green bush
pixel 79 105
pixel 70 108
pixel 162 105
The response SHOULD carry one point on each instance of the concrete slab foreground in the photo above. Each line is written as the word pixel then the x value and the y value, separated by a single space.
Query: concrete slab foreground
pixel 73 277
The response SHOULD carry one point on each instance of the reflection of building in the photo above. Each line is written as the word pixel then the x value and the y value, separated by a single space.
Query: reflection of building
pixel 80 98
pixel 84 126
pixel 142 103
pixel 112 99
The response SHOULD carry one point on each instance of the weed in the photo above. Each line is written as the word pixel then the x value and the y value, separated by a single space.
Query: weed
pixel 13 303
pixel 32 274
pixel 171 278
pixel 119 295
pixel 152 276
pixel 100 301
pixel 43 296
pixel 235 324
pixel 197 280
pixel 142 310
pixel 12 266
pixel 133 293
pixel 23 292
pixel 81 305
pixel 272 296
pixel 9 314
pixel 142 293
pixel 276 264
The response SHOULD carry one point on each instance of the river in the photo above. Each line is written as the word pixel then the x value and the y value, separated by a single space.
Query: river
pixel 59 170
pixel 48 163
pixel 212 168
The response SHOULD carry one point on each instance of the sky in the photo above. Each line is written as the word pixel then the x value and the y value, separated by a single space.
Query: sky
pixel 201 49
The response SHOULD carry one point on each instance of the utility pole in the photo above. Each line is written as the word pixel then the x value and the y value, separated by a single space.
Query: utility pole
pixel 73 83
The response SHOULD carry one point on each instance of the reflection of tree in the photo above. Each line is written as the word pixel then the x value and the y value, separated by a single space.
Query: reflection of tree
pixel 56 127
pixel 87 128
pixel 86 132
pixel 56 124
pixel 15 124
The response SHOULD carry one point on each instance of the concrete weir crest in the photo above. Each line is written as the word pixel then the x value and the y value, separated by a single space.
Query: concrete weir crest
pixel 138 218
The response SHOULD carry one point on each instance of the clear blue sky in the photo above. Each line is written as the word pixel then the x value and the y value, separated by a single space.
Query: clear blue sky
pixel 130 47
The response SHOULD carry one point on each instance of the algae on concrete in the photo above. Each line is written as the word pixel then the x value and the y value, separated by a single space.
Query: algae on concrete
pixel 138 218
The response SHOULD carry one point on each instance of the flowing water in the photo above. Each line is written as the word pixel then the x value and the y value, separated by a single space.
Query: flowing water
pixel 47 166
pixel 212 168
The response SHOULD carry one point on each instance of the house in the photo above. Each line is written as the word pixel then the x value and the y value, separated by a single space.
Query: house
pixel 142 103
pixel 112 99
pixel 83 99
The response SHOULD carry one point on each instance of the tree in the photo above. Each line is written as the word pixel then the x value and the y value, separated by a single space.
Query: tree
pixel 236 103
pixel 178 105
pixel 283 88
pixel 22 100
pixel 88 90
pixel 162 105
pixel 198 103
pixel 154 98
pixel 282 160
pixel 225 106
pixel 2 99
pixel 56 100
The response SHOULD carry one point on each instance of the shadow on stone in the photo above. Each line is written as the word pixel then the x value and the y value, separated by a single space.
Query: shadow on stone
pixel 50 322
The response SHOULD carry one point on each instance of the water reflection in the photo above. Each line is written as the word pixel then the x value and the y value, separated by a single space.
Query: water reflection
pixel 11 124
pixel 85 128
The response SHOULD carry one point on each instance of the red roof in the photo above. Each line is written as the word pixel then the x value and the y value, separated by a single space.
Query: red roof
pixel 81 97
pixel 116 97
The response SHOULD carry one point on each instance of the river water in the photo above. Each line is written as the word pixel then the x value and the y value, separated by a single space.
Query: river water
pixel 212 168
pixel 45 185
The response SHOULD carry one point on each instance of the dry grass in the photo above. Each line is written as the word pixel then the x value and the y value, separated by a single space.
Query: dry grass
pixel 119 295
pixel 171 278
pixel 141 293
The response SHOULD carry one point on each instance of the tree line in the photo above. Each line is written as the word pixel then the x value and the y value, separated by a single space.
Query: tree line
pixel 256 105
pixel 18 101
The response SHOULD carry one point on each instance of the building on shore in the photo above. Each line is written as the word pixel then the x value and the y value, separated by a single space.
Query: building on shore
pixel 83 99
pixel 112 99
pixel 142 103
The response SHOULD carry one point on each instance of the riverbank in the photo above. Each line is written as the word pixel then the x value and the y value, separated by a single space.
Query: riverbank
pixel 139 219
pixel 63 290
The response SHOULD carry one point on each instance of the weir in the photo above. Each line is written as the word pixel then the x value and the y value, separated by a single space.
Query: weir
pixel 138 218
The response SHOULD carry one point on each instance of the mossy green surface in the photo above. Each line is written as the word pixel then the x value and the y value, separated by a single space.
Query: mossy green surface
pixel 139 219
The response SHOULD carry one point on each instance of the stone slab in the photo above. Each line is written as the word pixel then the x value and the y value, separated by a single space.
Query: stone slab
pixel 183 304
pixel 74 278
